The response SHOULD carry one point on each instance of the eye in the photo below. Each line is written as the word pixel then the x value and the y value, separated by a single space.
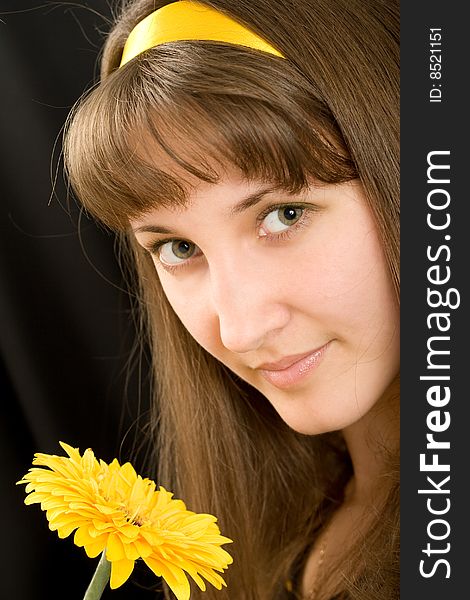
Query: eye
pixel 280 219
pixel 176 252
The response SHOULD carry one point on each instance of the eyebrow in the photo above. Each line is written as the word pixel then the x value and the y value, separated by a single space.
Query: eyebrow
pixel 152 229
pixel 244 204
pixel 253 199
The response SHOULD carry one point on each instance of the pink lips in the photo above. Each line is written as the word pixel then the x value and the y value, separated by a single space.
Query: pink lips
pixel 292 369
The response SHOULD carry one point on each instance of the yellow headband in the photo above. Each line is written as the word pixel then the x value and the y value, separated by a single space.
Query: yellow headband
pixel 187 20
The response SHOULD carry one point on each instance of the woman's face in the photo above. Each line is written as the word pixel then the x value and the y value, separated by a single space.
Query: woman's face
pixel 291 292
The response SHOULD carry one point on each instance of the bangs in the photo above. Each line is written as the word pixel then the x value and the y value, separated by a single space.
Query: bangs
pixel 189 112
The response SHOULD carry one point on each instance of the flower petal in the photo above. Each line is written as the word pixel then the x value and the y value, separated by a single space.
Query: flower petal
pixel 177 581
pixel 92 550
pixel 83 538
pixel 120 572
pixel 115 548
pixel 131 551
pixel 143 547
pixel 174 576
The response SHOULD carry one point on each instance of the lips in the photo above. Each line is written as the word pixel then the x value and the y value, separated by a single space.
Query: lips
pixel 291 370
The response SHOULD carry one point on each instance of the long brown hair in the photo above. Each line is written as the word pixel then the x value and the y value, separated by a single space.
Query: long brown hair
pixel 329 110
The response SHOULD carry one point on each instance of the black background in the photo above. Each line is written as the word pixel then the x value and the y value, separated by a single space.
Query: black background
pixel 65 330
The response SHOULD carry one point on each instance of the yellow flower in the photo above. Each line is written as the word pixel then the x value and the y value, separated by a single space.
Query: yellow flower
pixel 112 508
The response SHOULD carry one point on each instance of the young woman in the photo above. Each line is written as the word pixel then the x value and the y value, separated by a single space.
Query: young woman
pixel 248 153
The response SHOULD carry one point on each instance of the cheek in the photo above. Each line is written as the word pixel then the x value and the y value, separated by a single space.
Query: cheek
pixel 369 313
pixel 340 274
pixel 347 289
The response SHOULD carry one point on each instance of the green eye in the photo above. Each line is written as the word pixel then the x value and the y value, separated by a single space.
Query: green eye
pixel 281 219
pixel 176 252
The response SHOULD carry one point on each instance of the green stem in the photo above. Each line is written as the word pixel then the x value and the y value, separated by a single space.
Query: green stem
pixel 99 579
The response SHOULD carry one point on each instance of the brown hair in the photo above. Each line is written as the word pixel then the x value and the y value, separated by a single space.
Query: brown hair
pixel 329 110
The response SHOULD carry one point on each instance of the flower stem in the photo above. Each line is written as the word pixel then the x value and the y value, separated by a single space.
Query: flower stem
pixel 99 579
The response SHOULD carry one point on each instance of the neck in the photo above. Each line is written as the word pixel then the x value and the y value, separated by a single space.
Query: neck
pixel 368 440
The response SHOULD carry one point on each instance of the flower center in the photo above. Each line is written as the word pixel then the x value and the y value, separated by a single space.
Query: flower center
pixel 134 517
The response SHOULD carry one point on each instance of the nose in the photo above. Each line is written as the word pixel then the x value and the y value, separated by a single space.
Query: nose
pixel 250 309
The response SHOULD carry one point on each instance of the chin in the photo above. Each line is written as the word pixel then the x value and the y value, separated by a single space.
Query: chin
pixel 304 429
pixel 306 422
pixel 323 415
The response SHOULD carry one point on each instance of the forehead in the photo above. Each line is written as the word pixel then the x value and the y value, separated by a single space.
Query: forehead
pixel 196 173
pixel 224 182
pixel 231 195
